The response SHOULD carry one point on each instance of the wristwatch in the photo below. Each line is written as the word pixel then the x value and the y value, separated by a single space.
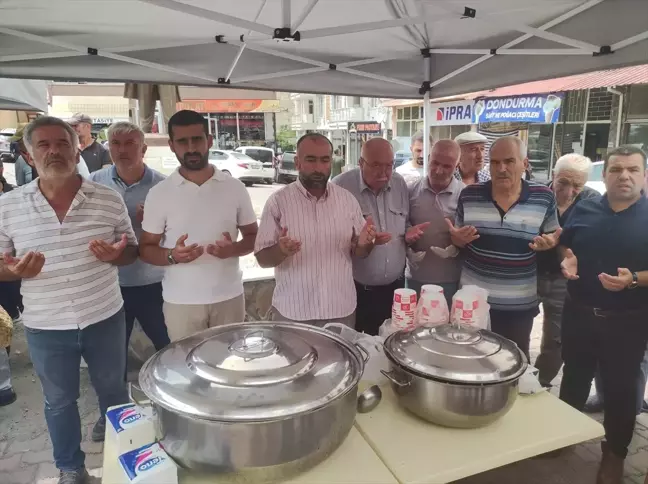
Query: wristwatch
pixel 635 281
pixel 170 258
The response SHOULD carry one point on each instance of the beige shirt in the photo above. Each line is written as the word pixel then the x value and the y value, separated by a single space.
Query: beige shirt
pixel 426 205
pixel 317 281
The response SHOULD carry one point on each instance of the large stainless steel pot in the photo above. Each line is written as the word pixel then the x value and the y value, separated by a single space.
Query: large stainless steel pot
pixel 267 400
pixel 454 377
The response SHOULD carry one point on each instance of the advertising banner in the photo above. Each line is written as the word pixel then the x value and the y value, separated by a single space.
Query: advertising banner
pixel 365 127
pixel 533 108
pixel 452 113
pixel 230 105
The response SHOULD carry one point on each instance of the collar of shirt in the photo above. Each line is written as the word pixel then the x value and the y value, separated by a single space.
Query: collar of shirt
pixel 641 203
pixel 451 188
pixel 178 179
pixel 86 188
pixel 302 189
pixel 524 193
pixel 364 186
pixel 146 178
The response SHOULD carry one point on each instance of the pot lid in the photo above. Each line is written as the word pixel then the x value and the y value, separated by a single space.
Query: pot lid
pixel 252 371
pixel 456 354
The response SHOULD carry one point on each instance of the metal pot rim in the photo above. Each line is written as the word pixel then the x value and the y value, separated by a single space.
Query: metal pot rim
pixel 350 385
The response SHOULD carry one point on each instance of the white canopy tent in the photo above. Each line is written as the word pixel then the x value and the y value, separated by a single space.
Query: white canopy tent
pixel 382 48
pixel 23 95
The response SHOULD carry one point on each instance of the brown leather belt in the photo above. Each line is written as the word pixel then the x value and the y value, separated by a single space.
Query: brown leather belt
pixel 611 313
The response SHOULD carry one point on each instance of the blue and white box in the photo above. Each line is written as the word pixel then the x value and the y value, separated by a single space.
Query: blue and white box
pixel 129 426
pixel 149 465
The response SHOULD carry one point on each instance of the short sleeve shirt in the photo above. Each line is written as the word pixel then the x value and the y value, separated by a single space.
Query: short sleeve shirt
pixel 96 156
pixel 604 241
pixel 500 260
pixel 175 207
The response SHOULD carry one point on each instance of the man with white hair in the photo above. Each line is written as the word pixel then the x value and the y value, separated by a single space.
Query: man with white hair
pixel 64 237
pixel 140 283
pixel 470 169
pixel 512 219
pixel 568 184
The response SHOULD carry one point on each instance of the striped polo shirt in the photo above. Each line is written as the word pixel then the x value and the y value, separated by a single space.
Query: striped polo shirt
pixel 500 260
pixel 74 289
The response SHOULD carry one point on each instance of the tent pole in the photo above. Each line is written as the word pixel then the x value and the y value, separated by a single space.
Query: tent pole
pixel 427 75
pixel 300 20
pixel 286 13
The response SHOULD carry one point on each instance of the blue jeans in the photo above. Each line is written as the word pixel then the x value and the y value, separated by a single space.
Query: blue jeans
pixel 641 383
pixel 56 356
pixel 449 288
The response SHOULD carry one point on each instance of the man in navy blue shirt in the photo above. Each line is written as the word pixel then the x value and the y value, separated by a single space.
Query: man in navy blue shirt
pixel 604 325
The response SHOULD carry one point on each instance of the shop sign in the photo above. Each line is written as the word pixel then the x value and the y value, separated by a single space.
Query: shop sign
pixel 452 113
pixel 533 108
pixel 365 127
pixel 230 105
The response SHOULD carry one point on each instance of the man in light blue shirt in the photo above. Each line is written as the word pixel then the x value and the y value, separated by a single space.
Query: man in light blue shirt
pixel 141 283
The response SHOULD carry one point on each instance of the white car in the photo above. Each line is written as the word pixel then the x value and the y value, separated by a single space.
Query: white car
pixel 265 156
pixel 240 166
pixel 5 142
pixel 595 180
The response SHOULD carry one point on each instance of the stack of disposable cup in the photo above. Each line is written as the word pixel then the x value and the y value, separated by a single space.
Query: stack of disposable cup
pixel 404 308
pixel 470 308
pixel 432 307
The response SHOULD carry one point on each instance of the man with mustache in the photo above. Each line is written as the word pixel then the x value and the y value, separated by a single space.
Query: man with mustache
pixel 604 318
pixel 470 169
pixel 310 230
pixel 140 283
pixel 413 169
pixel 433 200
pixel 383 196
pixel 570 175
pixel 511 220
pixel 191 226
pixel 64 237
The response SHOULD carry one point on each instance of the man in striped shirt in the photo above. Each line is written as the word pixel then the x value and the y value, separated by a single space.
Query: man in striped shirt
pixel 509 219
pixel 64 237
pixel 309 232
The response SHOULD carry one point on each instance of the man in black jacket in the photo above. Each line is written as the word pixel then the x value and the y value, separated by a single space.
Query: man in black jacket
pixel 568 184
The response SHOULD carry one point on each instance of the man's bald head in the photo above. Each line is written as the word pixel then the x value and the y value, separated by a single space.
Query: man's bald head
pixel 376 163
pixel 443 162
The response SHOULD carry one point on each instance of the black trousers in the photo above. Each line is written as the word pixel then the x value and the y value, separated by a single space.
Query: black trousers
pixel 514 325
pixel 615 344
pixel 10 298
pixel 374 305
pixel 144 303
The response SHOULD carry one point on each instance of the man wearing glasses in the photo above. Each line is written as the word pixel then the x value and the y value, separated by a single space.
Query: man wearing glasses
pixel 384 197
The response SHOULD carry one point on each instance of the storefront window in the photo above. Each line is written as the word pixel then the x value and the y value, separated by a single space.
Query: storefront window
pixel 638 136
pixel 539 150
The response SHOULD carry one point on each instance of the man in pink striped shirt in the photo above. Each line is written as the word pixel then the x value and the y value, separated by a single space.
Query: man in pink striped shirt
pixel 309 232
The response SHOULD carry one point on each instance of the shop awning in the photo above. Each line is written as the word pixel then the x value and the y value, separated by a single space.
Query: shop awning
pixel 23 95
pixel 382 48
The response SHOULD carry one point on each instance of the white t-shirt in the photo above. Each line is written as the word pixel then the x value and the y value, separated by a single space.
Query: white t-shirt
pixel 410 173
pixel 175 207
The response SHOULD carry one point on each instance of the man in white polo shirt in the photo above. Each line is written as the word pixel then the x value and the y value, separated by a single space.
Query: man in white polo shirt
pixel 63 236
pixel 191 225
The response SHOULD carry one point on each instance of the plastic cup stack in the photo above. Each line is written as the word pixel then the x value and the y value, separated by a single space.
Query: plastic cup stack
pixel 404 308
pixel 432 309
pixel 470 307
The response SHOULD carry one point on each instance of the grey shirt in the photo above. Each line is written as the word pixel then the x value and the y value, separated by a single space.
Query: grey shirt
pixel 96 157
pixel 389 210
pixel 426 205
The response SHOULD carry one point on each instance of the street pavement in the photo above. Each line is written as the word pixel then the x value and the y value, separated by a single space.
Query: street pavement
pixel 26 450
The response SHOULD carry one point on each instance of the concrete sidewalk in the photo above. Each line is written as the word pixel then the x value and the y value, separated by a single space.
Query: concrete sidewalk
pixel 26 453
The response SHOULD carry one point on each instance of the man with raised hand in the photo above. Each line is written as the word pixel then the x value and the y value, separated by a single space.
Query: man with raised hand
pixel 191 225
pixel 64 237
pixel 310 231
pixel 384 197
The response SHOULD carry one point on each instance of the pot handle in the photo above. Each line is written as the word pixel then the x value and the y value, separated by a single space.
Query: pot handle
pixel 131 396
pixel 390 375
pixel 365 353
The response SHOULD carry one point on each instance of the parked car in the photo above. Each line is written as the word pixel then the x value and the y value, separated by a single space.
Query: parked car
pixel 238 165
pixel 286 172
pixel 266 156
pixel 5 144
pixel 400 157
pixel 595 179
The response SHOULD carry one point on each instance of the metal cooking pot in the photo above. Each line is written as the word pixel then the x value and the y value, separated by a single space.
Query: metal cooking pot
pixel 452 376
pixel 266 400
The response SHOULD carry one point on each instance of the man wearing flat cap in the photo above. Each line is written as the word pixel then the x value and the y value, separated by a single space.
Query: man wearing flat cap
pixel 95 155
pixel 470 168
